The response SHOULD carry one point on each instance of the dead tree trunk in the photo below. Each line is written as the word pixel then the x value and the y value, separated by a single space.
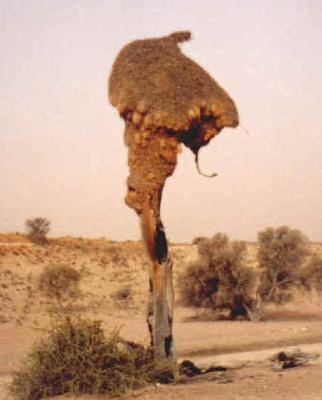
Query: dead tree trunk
pixel 161 295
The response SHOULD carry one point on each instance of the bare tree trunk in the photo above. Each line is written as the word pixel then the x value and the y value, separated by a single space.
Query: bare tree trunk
pixel 256 312
pixel 161 295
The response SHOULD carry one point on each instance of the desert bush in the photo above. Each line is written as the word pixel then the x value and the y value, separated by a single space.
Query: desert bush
pixel 78 358
pixel 281 255
pixel 311 274
pixel 220 278
pixel 37 229
pixel 60 282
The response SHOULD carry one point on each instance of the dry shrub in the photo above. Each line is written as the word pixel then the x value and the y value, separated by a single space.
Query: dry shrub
pixel 37 229
pixel 123 297
pixel 220 278
pixel 78 358
pixel 59 281
pixel 311 274
pixel 282 252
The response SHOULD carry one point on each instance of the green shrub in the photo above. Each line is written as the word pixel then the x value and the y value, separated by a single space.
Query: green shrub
pixel 311 274
pixel 281 255
pixel 220 278
pixel 78 358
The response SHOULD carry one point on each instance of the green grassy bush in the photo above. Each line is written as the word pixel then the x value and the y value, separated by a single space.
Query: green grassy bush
pixel 220 278
pixel 78 358
pixel 311 274
pixel 282 253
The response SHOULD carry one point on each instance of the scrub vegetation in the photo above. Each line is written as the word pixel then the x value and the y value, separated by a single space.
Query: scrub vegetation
pixel 77 357
pixel 221 277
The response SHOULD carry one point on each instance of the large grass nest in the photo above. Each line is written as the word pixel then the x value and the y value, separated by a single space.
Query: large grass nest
pixel 166 99
pixel 78 358
pixel 154 85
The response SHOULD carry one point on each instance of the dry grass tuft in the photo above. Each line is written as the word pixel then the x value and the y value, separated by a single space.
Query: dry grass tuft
pixel 59 281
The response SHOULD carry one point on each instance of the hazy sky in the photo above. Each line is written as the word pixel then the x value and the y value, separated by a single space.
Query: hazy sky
pixel 61 144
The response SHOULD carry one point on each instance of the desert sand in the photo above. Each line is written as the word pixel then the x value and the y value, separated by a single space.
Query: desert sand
pixel 113 290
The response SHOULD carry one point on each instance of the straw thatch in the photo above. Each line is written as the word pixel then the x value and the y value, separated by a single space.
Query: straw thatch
pixel 154 85
pixel 165 98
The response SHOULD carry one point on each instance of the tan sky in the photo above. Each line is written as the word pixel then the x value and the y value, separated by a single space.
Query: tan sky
pixel 61 145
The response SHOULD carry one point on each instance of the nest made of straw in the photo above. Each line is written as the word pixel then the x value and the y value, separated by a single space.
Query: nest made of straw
pixel 156 86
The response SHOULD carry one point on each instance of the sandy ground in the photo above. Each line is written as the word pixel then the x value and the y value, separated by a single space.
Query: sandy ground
pixel 244 347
